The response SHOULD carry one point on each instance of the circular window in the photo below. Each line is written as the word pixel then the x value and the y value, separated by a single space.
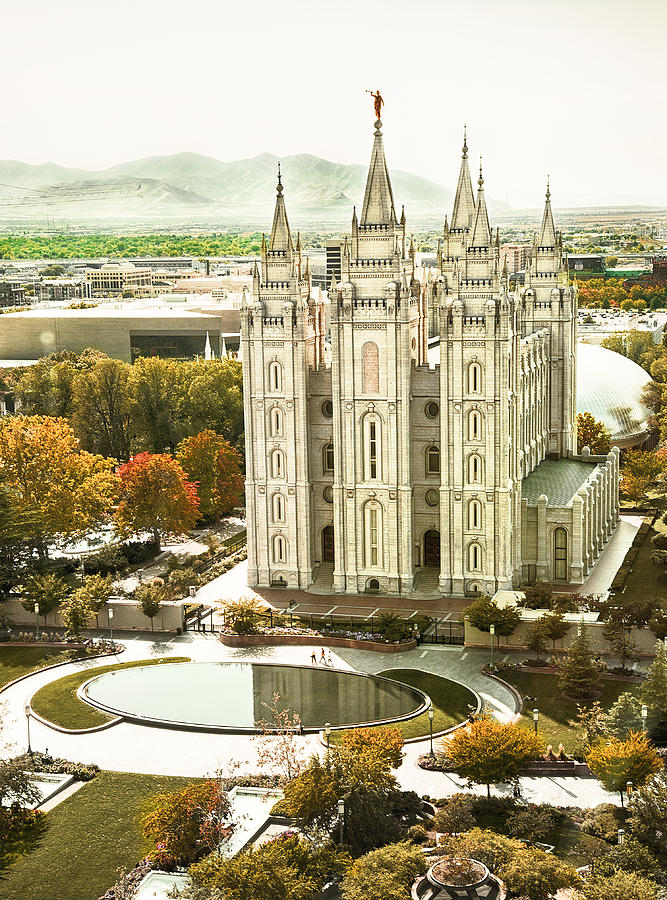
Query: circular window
pixel 327 493
pixel 432 498
pixel 327 409
pixel 432 409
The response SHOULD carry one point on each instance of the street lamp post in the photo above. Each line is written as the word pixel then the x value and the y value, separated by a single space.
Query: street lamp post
pixel 27 716
pixel 644 717
pixel 341 819
pixel 628 789
pixel 110 614
pixel 621 836
pixel 536 718
pixel 327 732
pixel 430 725
pixel 492 631
pixel 36 621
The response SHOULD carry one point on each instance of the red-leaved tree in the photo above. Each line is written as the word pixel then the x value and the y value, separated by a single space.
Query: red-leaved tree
pixel 155 496
pixel 215 466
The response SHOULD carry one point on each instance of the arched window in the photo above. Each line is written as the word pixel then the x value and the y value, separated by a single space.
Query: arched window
pixel 279 549
pixel 372 447
pixel 474 557
pixel 276 422
pixel 560 554
pixel 474 468
pixel 370 368
pixel 277 464
pixel 328 457
pixel 278 503
pixel 275 377
pixel 432 460
pixel 474 425
pixel 373 534
pixel 474 378
pixel 475 515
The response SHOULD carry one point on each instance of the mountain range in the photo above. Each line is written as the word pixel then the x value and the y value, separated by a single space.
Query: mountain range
pixel 194 186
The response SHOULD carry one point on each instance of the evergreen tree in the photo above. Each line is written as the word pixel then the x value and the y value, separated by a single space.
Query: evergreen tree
pixel 624 716
pixel 579 677
pixel 654 689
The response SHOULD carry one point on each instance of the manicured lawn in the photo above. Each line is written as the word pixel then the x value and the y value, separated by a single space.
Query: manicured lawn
pixel 556 710
pixel 17 661
pixel 450 700
pixel 88 838
pixel 59 703
pixel 642 584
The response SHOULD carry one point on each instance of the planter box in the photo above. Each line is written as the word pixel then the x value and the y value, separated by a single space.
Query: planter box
pixel 311 640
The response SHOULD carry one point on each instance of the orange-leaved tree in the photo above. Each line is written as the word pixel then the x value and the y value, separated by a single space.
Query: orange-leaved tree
pixel 215 466
pixel 640 469
pixel 615 762
pixel 155 496
pixel 491 752
pixel 592 434
pixel 65 490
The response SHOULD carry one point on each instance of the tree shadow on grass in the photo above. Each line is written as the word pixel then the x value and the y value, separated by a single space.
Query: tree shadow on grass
pixel 17 845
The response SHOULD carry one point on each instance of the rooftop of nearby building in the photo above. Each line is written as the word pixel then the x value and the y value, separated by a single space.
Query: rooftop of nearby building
pixel 558 479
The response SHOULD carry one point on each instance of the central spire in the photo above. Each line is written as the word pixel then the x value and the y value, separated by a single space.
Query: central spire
pixel 378 207
pixel 547 236
pixel 481 233
pixel 281 237
pixel 464 201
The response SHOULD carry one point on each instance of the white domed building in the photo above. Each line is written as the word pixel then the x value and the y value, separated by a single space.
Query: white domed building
pixel 609 387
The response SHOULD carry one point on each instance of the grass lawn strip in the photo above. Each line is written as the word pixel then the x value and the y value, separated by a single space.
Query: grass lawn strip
pixel 17 661
pixel 556 710
pixel 58 702
pixel 88 838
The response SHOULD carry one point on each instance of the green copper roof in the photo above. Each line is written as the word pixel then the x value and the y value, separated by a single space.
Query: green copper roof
pixel 559 479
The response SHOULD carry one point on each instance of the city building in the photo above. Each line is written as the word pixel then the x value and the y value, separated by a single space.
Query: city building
pixel 118 277
pixel 53 290
pixel 12 293
pixel 515 256
pixel 370 469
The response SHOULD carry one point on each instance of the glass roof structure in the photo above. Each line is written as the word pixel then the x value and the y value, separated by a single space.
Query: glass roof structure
pixel 609 386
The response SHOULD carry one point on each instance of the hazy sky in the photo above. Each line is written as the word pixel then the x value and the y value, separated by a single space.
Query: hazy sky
pixel 575 88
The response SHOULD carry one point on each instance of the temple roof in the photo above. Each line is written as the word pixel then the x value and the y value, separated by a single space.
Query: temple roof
pixel 378 207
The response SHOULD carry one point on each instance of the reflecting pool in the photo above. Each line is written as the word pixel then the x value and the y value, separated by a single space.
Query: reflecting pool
pixel 231 696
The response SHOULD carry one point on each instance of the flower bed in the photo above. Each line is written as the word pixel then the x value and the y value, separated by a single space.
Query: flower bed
pixel 309 636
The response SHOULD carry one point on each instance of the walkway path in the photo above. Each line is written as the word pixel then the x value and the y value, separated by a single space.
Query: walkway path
pixel 136 748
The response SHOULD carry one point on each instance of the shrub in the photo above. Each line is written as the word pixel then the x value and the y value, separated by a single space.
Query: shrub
pixel 456 816
pixel 530 823
pixel 384 874
pixel 620 886
pixel 417 834
pixel 537 875
pixel 107 561
pixel 603 821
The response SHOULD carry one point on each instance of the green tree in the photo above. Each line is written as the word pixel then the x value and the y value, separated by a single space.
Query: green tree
pixel 483 613
pixel 215 398
pixel 99 589
pixel 384 874
pixel 490 752
pixel 654 688
pixel 619 886
pixel 620 641
pixel 579 677
pixel 615 762
pixel 537 595
pixel 536 639
pixel 624 716
pixel 592 434
pixel 159 412
pixel 555 627
pixel 103 407
pixel 150 598
pixel 456 816
pixel 47 590
pixel 215 467
pixel 286 868
pixel 648 814
pixel 16 785
pixel 76 613
pixel 630 856
pixel 155 496
pixel 538 875
pixel 658 621
pixel 590 723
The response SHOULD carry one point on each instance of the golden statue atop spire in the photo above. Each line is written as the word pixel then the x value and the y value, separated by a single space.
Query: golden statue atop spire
pixel 378 102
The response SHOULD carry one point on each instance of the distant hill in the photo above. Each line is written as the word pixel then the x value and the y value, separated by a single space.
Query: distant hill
pixel 188 184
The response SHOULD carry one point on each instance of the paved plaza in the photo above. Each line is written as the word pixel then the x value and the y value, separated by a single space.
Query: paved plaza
pixel 131 747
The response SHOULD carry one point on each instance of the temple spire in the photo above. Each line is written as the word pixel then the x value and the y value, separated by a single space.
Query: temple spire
pixel 281 237
pixel 481 233
pixel 547 236
pixel 378 207
pixel 464 201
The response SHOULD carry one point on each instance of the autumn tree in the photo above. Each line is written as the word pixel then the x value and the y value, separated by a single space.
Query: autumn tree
pixel 277 743
pixel 638 346
pixel 384 741
pixel 579 678
pixel 155 496
pixel 491 752
pixel 103 408
pixel 590 724
pixel 640 469
pixel 185 824
pixel 619 886
pixel 615 762
pixel 215 467
pixel 76 612
pixel 48 591
pixel 68 491
pixel 592 434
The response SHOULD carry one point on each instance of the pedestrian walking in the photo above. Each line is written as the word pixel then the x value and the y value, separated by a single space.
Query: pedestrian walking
pixel 313 658
pixel 323 659
pixel 329 659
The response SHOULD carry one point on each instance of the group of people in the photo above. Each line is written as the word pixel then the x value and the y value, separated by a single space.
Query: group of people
pixel 324 660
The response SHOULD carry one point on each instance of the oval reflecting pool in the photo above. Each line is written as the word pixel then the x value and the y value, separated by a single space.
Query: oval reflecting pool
pixel 231 696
